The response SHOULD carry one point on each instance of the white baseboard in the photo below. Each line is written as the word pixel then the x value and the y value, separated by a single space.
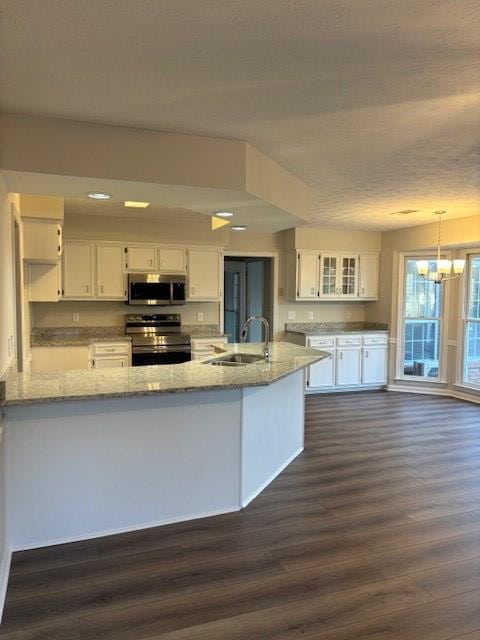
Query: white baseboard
pixel 4 576
pixel 275 474
pixel 447 393
pixel 366 387
pixel 111 532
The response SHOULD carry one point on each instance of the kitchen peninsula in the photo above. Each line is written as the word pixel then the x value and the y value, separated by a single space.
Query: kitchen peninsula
pixel 91 453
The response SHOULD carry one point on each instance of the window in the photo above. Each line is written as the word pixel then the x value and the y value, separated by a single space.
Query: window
pixel 421 324
pixel 471 357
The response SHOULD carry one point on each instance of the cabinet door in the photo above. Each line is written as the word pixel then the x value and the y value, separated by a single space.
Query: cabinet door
pixel 368 283
pixel 171 260
pixel 348 283
pixel 307 274
pixel 42 241
pixel 348 367
pixel 329 266
pixel 141 258
pixel 114 362
pixel 322 374
pixel 77 270
pixel 110 278
pixel 374 365
pixel 203 274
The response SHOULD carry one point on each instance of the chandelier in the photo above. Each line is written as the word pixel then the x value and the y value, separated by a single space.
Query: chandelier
pixel 444 269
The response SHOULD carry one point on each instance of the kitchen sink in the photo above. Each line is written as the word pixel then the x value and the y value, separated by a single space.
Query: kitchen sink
pixel 236 359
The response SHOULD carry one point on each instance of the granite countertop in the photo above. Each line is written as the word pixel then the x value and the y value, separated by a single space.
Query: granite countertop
pixel 286 358
pixel 323 328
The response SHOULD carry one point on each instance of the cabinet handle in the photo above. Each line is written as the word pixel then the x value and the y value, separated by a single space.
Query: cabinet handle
pixel 366 354
pixel 363 289
pixel 150 262
pixel 192 291
pixel 101 288
pixel 123 363
pixel 312 290
pixel 341 355
pixel 93 364
pixel 87 288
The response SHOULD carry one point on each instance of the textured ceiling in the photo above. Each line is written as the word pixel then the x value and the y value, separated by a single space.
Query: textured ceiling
pixel 374 103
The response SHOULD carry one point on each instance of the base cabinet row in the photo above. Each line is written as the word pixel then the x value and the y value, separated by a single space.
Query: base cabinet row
pixel 356 365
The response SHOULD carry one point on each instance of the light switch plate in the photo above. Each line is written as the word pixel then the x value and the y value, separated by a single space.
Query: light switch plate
pixel 291 315
pixel 200 316
pixel 310 315
pixel 75 317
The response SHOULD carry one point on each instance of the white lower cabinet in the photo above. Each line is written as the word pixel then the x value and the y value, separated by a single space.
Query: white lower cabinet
pixel 113 362
pixel 353 362
pixel 374 365
pixel 109 355
pixel 349 367
pixel 322 374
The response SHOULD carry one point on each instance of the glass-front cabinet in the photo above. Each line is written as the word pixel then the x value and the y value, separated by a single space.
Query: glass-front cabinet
pixel 338 275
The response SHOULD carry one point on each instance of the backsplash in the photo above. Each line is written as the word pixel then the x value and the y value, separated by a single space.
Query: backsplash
pixel 336 326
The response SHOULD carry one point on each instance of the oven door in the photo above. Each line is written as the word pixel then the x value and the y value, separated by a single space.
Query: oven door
pixel 143 356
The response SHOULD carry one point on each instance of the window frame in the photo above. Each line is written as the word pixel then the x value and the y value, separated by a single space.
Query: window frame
pixel 443 320
pixel 461 380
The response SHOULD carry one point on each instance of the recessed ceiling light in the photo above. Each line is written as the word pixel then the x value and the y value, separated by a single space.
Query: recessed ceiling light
pixel 238 227
pixel 99 195
pixel 224 214
pixel 136 204
pixel 404 212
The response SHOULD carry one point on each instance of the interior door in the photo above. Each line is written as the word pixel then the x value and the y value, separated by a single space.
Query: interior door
pixel 235 298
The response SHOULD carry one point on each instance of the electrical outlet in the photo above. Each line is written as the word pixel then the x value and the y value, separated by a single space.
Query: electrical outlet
pixel 291 315
pixel 310 315
pixel 200 316
pixel 348 315
pixel 75 317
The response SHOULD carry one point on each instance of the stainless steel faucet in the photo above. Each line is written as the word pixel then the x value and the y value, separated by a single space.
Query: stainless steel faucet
pixel 266 346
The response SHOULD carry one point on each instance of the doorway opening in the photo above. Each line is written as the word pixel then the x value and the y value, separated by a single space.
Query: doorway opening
pixel 248 291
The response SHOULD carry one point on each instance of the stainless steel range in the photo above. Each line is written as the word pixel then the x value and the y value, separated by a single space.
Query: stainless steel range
pixel 157 339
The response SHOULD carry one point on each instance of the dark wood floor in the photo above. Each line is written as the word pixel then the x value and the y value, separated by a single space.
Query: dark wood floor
pixel 373 533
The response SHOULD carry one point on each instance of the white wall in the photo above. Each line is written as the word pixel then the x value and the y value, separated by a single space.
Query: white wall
pixel 7 294
pixel 7 331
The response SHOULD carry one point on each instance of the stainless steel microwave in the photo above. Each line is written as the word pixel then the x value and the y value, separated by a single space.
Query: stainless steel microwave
pixel 156 289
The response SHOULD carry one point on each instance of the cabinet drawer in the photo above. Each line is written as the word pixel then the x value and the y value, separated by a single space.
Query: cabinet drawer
pixel 372 340
pixel 321 342
pixel 349 341
pixel 110 348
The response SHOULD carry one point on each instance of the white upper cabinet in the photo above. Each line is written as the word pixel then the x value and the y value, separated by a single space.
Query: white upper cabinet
pixel 171 260
pixel 338 275
pixel 307 275
pixel 368 284
pixel 140 258
pixel 110 280
pixel 42 241
pixel 204 274
pixel 78 270
pixel 325 275
pixel 329 279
